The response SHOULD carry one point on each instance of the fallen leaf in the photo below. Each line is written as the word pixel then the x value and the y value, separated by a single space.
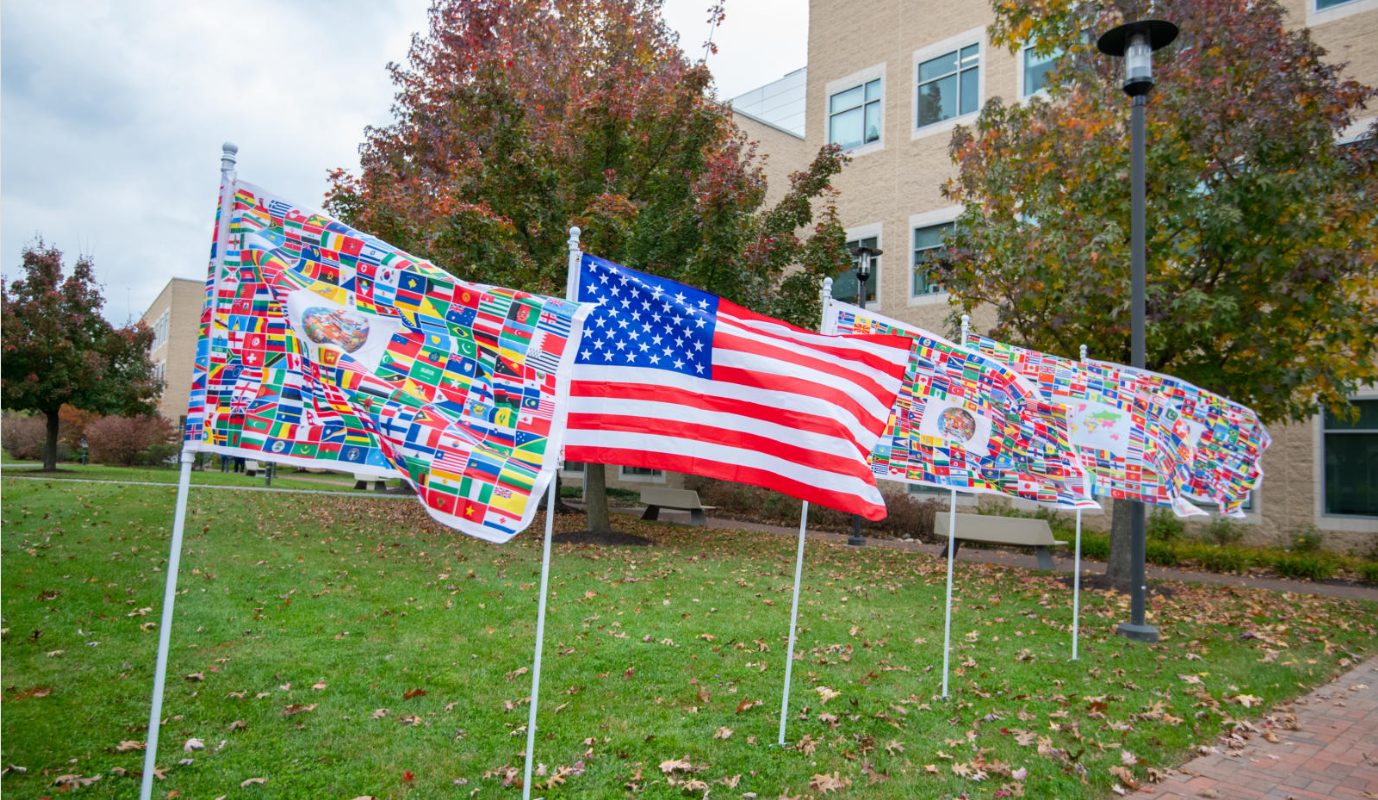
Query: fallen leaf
pixel 825 694
pixel 723 733
pixel 246 784
pixel 193 744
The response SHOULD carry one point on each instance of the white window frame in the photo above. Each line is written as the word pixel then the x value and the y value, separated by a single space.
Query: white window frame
pixel 1318 16
pixel 624 476
pixel 976 36
pixel 859 78
pixel 1019 69
pixel 866 232
pixel 938 216
pixel 1336 522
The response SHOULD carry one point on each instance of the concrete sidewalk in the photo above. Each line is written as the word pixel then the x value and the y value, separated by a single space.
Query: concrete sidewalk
pixel 1330 750
pixel 1013 559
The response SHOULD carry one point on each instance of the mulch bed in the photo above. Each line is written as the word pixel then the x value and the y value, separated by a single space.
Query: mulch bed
pixel 602 538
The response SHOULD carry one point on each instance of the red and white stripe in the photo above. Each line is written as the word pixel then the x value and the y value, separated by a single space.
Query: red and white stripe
pixel 786 409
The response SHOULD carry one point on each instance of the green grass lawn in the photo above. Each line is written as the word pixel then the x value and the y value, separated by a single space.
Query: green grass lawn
pixel 287 477
pixel 401 648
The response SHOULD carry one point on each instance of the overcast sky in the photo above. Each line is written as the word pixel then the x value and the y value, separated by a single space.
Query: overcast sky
pixel 114 113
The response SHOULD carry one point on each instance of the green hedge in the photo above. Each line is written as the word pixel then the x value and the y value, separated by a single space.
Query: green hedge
pixel 1307 565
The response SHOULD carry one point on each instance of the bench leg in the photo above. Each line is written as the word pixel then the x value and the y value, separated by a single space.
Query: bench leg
pixel 956 546
pixel 380 486
pixel 697 518
pixel 360 485
pixel 1045 558
pixel 651 513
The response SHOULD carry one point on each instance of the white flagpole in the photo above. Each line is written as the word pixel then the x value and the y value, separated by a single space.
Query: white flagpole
pixel 793 620
pixel 571 293
pixel 826 295
pixel 540 639
pixel 951 553
pixel 179 516
pixel 1076 573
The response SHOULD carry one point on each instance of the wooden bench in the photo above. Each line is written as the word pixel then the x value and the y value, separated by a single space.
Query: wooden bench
pixel 1015 531
pixel 251 467
pixel 676 499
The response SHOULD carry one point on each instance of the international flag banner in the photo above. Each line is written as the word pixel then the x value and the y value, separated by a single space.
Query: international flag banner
pixel 967 422
pixel 1225 440
pixel 298 365
pixel 671 377
pixel 1132 442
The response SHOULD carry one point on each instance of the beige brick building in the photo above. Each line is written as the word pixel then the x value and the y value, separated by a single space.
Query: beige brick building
pixel 175 317
pixel 890 80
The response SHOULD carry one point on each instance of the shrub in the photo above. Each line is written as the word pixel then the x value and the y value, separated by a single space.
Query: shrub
pixel 1223 530
pixel 131 441
pixel 1304 565
pixel 1163 553
pixel 1221 559
pixel 24 437
pixel 1095 545
pixel 1164 526
pixel 1368 571
pixel 1308 540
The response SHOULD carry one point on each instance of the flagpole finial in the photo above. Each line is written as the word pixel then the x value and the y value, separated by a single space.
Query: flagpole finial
pixel 228 152
pixel 966 326
pixel 1083 352
pixel 574 237
pixel 827 290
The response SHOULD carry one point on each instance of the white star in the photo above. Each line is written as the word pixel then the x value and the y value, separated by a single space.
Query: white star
pixel 586 354
pixel 601 321
pixel 669 351
pixel 644 347
pixel 608 355
pixel 616 291
pixel 679 298
pixel 703 304
pixel 656 338
pixel 597 345
pixel 678 319
pixel 602 278
pixel 626 302
pixel 632 333
pixel 655 359
pixel 657 292
pixel 622 323
pixel 701 322
pixel 622 277
pixel 631 356
pixel 678 363
pixel 698 346
pixel 679 341
pixel 621 345
pixel 699 367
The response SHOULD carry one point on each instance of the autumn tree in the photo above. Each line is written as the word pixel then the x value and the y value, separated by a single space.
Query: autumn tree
pixel 1261 241
pixel 515 119
pixel 58 349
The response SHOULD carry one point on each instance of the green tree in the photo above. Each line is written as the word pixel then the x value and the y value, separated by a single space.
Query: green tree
pixel 518 118
pixel 1262 244
pixel 58 349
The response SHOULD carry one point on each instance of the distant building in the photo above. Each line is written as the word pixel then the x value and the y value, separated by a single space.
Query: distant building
pixel 175 317
pixel 888 81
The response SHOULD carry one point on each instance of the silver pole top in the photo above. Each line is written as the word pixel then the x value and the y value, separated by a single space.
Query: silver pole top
pixel 574 237
pixel 1083 352
pixel 227 156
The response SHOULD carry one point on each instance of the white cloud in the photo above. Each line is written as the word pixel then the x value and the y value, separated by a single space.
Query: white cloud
pixel 114 113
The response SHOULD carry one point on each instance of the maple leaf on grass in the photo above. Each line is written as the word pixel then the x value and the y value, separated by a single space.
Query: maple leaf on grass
pixel 829 783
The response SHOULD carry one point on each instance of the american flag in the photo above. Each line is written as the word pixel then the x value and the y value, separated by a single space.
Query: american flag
pixel 670 377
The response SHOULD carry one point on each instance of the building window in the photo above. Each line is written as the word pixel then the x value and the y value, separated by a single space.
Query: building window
pixel 641 473
pixel 845 285
pixel 1322 5
pixel 574 466
pixel 928 247
pixel 1350 453
pixel 854 116
pixel 1036 69
pixel 949 85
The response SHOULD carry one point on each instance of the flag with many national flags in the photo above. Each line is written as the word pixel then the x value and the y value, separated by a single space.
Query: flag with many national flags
pixel 1225 439
pixel 1132 441
pixel 967 422
pixel 323 346
pixel 670 377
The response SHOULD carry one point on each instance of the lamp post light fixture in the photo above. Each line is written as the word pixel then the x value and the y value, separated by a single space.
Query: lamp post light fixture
pixel 1135 43
pixel 865 267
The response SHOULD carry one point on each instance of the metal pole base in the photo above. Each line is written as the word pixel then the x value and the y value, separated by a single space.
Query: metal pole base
pixel 856 541
pixel 1137 633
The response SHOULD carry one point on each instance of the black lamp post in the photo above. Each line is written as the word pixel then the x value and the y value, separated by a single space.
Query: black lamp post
pixel 865 263
pixel 1135 42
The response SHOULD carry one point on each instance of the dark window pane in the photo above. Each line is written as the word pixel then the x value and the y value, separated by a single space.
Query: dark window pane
pixel 938 100
pixel 873 90
pixel 1322 5
pixel 845 129
pixel 970 55
pixel 931 236
pixel 873 121
pixel 845 100
pixel 936 67
pixel 1351 474
pixel 971 90
pixel 1368 417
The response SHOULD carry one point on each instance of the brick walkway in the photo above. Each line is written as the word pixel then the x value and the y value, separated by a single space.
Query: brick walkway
pixel 1332 753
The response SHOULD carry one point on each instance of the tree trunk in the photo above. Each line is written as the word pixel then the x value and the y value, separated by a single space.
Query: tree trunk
pixel 1117 567
pixel 596 497
pixel 50 446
